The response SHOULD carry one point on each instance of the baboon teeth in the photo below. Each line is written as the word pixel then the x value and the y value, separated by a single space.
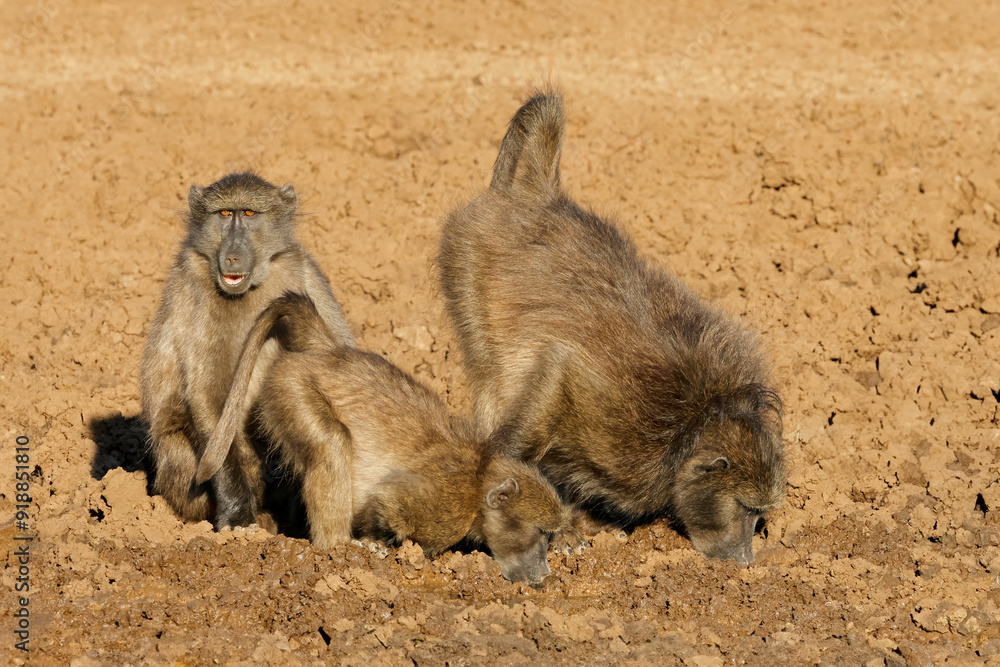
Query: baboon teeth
pixel 234 279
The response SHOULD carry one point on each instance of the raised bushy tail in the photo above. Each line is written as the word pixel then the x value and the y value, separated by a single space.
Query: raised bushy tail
pixel 301 330
pixel 529 155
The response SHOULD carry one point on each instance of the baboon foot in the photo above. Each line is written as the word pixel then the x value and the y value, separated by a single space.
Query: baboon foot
pixel 374 546
pixel 236 515
pixel 248 530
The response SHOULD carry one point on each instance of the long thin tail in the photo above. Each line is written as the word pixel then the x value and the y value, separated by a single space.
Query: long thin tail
pixel 301 330
pixel 529 154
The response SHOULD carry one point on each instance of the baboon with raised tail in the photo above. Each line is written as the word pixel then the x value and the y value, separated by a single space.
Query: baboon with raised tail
pixel 239 255
pixel 635 397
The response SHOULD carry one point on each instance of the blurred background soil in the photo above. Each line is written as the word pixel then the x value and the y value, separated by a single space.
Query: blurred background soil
pixel 825 169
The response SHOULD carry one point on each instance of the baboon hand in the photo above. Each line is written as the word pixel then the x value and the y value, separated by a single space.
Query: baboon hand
pixel 569 541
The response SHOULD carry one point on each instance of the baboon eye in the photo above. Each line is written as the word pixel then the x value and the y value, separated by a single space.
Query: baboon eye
pixel 225 214
pixel 249 213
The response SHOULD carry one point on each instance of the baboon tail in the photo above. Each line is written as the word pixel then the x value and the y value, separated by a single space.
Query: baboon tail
pixel 302 330
pixel 529 154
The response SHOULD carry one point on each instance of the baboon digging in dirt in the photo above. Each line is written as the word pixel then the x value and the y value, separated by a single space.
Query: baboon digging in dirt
pixel 634 397
pixel 239 255
pixel 378 454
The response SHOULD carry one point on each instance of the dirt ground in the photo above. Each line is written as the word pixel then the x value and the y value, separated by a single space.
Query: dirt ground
pixel 825 168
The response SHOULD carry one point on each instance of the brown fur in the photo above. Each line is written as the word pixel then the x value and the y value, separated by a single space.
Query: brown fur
pixel 635 397
pixel 378 454
pixel 197 335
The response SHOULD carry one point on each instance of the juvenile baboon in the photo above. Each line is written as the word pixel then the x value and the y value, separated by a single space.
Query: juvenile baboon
pixel 379 456
pixel 239 255
pixel 633 396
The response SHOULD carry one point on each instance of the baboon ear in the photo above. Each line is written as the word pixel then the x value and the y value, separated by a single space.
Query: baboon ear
pixel 498 495
pixel 195 195
pixel 287 194
pixel 718 464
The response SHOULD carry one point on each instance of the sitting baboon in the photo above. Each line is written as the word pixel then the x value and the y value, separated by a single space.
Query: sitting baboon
pixel 239 255
pixel 634 397
pixel 377 453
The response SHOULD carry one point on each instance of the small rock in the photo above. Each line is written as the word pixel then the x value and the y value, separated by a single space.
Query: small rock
pixel 618 646
pixel 990 649
pixel 124 492
pixel 914 655
pixel 376 132
pixel 954 613
pixel 785 637
pixel 412 554
pixel 930 620
pixel 973 624
pixel 418 337
pixel 48 316
pixel 386 148
pixel 991 304
pixel 568 627
pixel 704 661
pixel 868 379
pixel 605 542
pixel 88 659
pixel 383 633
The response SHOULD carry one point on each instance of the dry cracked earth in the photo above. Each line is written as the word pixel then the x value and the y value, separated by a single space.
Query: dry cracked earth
pixel 825 169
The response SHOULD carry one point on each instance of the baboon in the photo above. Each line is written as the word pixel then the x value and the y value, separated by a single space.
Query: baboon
pixel 378 454
pixel 239 255
pixel 633 396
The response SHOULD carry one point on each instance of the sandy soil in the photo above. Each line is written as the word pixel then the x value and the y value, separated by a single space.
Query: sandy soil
pixel 827 169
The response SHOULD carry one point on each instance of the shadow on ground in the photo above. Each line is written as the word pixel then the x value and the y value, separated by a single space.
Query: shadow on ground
pixel 121 443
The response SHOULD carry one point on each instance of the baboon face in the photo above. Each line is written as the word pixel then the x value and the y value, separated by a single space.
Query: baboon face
pixel 719 524
pixel 519 519
pixel 723 492
pixel 239 224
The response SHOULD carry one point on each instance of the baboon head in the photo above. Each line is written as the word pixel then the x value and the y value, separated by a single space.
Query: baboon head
pixel 520 512
pixel 239 224
pixel 734 476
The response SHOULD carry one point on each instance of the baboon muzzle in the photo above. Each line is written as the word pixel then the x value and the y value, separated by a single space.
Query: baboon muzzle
pixel 236 262
pixel 530 566
pixel 735 542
